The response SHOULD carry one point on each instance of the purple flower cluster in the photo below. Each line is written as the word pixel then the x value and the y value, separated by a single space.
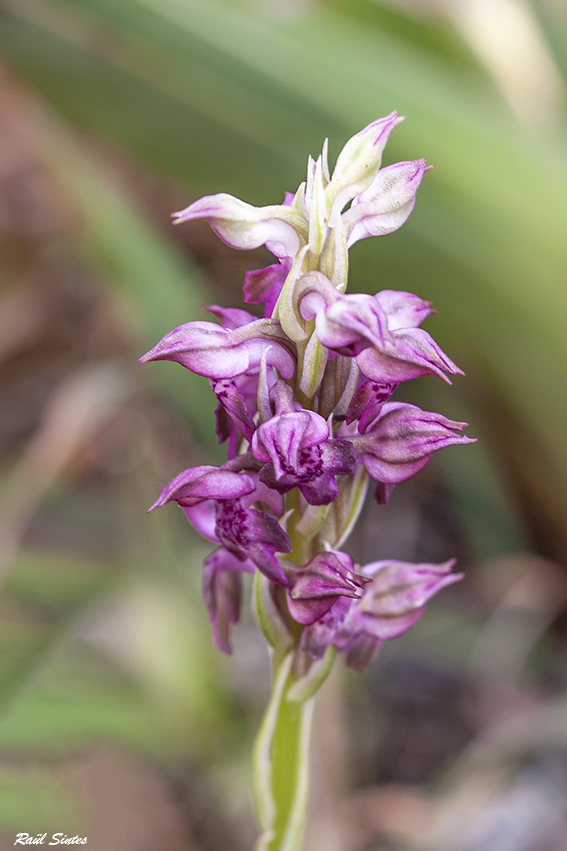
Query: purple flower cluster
pixel 304 404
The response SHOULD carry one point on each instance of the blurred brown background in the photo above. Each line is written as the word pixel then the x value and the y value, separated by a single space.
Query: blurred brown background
pixel 118 718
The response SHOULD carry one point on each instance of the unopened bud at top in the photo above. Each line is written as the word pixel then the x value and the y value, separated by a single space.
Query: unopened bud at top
pixel 359 161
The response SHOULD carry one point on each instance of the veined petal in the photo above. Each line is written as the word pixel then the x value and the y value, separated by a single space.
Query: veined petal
pixel 367 403
pixel 251 534
pixel 266 284
pixel 398 593
pixel 403 439
pixel 359 161
pixel 280 228
pixel 386 204
pixel 404 310
pixel 234 403
pixel 316 586
pixel 222 592
pixel 216 352
pixel 400 587
pixel 390 604
pixel 316 471
pixel 199 483
pixel 282 438
pixel 353 322
pixel 406 354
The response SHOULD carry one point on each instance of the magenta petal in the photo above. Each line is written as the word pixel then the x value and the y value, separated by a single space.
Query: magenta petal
pixel 265 285
pixel 409 353
pixel 404 310
pixel 199 483
pixel 307 612
pixel 222 591
pixel 234 403
pixel 352 323
pixel 316 470
pixel 249 533
pixel 203 518
pixel 231 317
pixel 402 440
pixel 367 403
pixel 325 631
pixel 315 587
pixel 390 605
pixel 265 496
pixel 396 597
pixel 216 352
pixel 398 587
pixel 380 331
pixel 383 628
pixel 282 438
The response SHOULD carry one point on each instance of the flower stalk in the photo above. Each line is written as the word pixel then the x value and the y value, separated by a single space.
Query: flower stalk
pixel 304 404
pixel 280 765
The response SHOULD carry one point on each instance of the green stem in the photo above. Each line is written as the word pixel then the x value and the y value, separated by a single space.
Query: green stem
pixel 280 765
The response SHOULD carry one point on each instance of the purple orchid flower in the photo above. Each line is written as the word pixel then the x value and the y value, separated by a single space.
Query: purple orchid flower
pixel 247 533
pixel 380 330
pixel 314 588
pixel 316 471
pixel 281 228
pixel 222 591
pixel 391 604
pixel 197 484
pixel 232 403
pixel 295 448
pixel 290 430
pixel 367 403
pixel 265 285
pixel 216 352
pixel 409 353
pixel 401 442
pixel 203 514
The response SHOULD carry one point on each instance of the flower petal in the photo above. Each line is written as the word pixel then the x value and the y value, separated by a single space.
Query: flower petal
pixel 199 483
pixel 266 284
pixel 403 439
pixel 386 204
pixel 216 352
pixel 359 161
pixel 280 227
pixel 222 591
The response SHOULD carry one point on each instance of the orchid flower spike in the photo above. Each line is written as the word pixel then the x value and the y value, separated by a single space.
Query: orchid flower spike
pixel 304 403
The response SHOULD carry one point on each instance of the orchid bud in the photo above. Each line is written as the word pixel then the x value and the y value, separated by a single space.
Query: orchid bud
pixel 359 161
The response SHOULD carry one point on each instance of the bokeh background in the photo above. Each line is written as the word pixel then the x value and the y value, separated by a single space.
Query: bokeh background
pixel 118 718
